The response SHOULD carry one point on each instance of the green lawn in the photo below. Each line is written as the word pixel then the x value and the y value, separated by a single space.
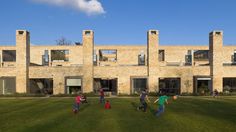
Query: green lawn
pixel 187 114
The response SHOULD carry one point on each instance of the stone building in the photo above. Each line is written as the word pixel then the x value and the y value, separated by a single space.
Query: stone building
pixel 119 69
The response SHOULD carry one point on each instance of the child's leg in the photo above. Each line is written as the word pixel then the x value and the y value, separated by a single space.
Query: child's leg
pixel 160 110
pixel 101 99
pixel 141 105
pixel 144 106
pixel 75 108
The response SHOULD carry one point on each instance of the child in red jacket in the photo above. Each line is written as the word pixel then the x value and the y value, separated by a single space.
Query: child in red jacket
pixel 107 105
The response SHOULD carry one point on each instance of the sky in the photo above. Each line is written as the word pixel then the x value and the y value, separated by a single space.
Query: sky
pixel 118 22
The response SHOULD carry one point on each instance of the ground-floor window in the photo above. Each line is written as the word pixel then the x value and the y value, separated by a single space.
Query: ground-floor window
pixel 73 85
pixel 7 85
pixel 41 86
pixel 138 84
pixel 108 85
pixel 229 84
pixel 169 85
pixel 202 85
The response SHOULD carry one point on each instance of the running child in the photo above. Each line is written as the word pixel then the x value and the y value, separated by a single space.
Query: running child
pixel 143 98
pixel 76 106
pixel 161 102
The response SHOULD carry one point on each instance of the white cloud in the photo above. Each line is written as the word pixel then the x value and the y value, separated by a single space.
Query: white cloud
pixel 90 7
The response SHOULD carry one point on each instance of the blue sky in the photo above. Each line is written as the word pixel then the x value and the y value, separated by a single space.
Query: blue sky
pixel 180 22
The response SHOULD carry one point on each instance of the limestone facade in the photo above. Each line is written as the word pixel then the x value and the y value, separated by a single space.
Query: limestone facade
pixel 120 62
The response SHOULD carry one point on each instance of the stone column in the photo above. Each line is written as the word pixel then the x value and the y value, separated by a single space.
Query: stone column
pixel 88 49
pixel 152 51
pixel 22 61
pixel 216 59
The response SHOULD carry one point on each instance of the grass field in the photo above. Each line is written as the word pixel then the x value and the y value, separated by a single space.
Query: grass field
pixel 187 114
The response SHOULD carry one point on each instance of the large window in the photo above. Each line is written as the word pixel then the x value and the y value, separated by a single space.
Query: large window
pixel 9 55
pixel 108 55
pixel 59 55
pixel 139 84
pixel 229 84
pixel 73 85
pixel 201 55
pixel 108 85
pixel 8 85
pixel 169 85
pixel 41 86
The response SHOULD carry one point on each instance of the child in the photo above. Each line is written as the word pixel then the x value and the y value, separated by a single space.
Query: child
pixel 101 95
pixel 84 99
pixel 76 105
pixel 161 102
pixel 107 105
pixel 143 98
pixel 215 93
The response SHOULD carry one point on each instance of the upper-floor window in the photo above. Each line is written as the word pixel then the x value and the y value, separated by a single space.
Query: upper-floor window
pixel 94 57
pixel 141 59
pixel 59 55
pixel 9 55
pixel 161 55
pixel 45 58
pixel 108 55
pixel 188 58
pixel 201 55
pixel 234 57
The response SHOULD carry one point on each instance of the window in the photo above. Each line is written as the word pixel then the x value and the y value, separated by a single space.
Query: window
pixel 73 85
pixel 169 85
pixel 21 32
pixel 188 58
pixel 7 85
pixel 139 84
pixel 59 55
pixel 108 55
pixel 141 58
pixel 234 57
pixel 161 55
pixel 9 55
pixel 94 58
pixel 87 32
pixel 201 55
pixel 41 86
pixel 153 32
pixel 45 58
pixel 229 84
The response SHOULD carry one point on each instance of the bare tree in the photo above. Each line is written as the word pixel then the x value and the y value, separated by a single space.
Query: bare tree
pixel 63 41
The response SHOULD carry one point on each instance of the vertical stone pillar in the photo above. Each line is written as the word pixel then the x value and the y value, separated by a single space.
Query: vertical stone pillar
pixel 22 61
pixel 152 51
pixel 216 59
pixel 88 49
